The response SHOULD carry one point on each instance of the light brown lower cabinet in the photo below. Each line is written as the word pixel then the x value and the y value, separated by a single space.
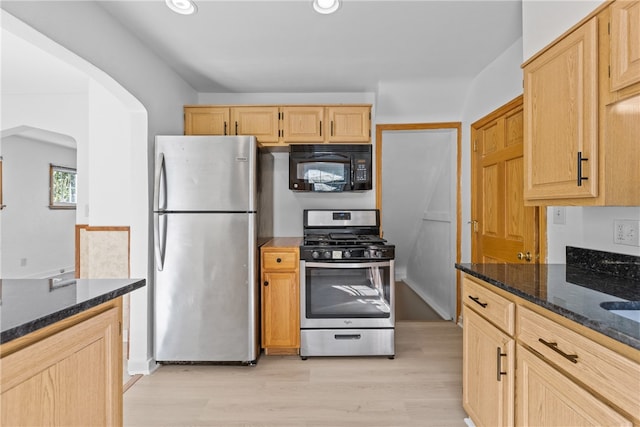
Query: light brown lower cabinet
pixel 488 372
pixel 280 265
pixel 550 371
pixel 546 397
pixel 67 374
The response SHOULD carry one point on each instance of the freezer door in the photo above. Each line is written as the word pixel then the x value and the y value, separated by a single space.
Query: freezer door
pixel 206 292
pixel 205 173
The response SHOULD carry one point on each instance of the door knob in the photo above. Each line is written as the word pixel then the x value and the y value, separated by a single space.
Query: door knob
pixel 527 257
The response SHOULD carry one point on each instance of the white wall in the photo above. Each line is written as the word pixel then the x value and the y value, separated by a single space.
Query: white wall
pixel 496 85
pixel 419 211
pixel 36 241
pixel 587 227
pixel 151 92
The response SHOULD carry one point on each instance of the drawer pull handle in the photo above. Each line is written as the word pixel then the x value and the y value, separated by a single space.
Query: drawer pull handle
pixel 347 336
pixel 278 260
pixel 477 301
pixel 554 346
pixel 499 356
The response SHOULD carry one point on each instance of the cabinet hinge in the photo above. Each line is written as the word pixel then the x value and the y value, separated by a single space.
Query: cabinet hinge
pixel 609 28
pixel 369 115
pixel 609 71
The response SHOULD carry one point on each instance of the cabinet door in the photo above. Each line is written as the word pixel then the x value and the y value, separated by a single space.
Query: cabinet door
pixel 548 398
pixel 303 124
pixel 561 112
pixel 262 122
pixel 280 314
pixel 349 124
pixel 487 372
pixel 625 44
pixel 206 121
pixel 73 377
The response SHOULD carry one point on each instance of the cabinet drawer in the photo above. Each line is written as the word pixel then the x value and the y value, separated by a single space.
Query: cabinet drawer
pixel 281 260
pixel 493 307
pixel 604 371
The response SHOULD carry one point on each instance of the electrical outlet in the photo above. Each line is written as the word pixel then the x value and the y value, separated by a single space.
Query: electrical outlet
pixel 625 232
pixel 559 215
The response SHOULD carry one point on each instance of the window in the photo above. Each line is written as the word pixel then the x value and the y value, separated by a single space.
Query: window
pixel 62 187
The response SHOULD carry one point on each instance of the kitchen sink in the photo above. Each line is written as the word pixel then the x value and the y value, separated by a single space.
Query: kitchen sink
pixel 628 309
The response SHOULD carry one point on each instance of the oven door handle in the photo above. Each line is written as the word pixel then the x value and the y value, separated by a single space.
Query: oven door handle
pixel 347 264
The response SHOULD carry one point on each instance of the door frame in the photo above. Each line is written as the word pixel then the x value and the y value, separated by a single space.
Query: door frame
pixel 457 126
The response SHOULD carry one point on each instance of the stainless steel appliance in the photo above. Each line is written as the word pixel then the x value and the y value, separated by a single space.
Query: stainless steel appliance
pixel 330 167
pixel 210 209
pixel 347 292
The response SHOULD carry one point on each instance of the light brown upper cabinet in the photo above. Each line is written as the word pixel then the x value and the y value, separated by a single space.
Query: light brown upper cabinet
pixel 580 141
pixel 349 123
pixel 303 123
pixel 261 121
pixel 206 120
pixel 276 126
pixel 625 47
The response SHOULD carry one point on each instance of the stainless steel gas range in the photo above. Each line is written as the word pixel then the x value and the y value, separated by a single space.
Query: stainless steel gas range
pixel 346 285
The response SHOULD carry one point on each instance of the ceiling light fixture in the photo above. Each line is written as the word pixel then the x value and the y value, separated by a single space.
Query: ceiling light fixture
pixel 183 7
pixel 326 7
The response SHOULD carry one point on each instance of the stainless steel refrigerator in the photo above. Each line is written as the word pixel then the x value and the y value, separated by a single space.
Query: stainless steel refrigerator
pixel 212 204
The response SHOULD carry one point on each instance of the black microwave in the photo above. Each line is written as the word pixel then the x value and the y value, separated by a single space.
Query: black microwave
pixel 330 167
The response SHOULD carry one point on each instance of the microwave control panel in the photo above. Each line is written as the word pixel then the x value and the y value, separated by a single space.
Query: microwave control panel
pixel 361 171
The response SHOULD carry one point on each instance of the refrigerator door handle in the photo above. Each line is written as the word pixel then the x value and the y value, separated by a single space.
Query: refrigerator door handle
pixel 159 242
pixel 159 172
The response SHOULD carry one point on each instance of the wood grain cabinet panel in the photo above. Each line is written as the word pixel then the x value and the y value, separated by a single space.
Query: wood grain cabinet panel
pixel 488 372
pixel 280 291
pixel 260 121
pixel 70 378
pixel 561 113
pixel 349 124
pixel 625 44
pixel 206 121
pixel 303 124
pixel 581 113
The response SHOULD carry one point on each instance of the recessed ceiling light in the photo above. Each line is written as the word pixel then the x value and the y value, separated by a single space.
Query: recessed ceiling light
pixel 183 7
pixel 326 6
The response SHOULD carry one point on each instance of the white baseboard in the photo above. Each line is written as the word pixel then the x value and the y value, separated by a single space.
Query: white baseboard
pixel 144 367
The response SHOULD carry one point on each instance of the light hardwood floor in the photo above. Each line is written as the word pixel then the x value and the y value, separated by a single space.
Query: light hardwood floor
pixel 421 387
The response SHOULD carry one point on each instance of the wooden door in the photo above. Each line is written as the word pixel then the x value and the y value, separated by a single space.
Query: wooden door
pixel 488 395
pixel 504 230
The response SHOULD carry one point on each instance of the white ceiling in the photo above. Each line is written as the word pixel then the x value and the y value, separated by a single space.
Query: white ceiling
pixel 284 46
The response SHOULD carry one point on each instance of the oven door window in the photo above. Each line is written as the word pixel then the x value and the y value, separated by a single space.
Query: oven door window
pixel 361 292
pixel 325 176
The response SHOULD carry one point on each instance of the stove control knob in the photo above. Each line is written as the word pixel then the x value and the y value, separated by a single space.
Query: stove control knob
pixel 327 254
pixel 346 254
pixel 366 254
pixel 315 255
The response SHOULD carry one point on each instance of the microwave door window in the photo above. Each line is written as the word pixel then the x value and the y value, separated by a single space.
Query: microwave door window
pixel 324 176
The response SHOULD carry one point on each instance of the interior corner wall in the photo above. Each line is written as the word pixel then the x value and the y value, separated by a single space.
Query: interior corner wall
pixel 105 50
pixel 497 84
pixel 587 227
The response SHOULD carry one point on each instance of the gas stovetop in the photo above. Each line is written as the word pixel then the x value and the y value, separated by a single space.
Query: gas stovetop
pixel 344 235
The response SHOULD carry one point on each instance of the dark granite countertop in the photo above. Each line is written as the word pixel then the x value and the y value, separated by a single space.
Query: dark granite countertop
pixel 27 305
pixel 570 291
